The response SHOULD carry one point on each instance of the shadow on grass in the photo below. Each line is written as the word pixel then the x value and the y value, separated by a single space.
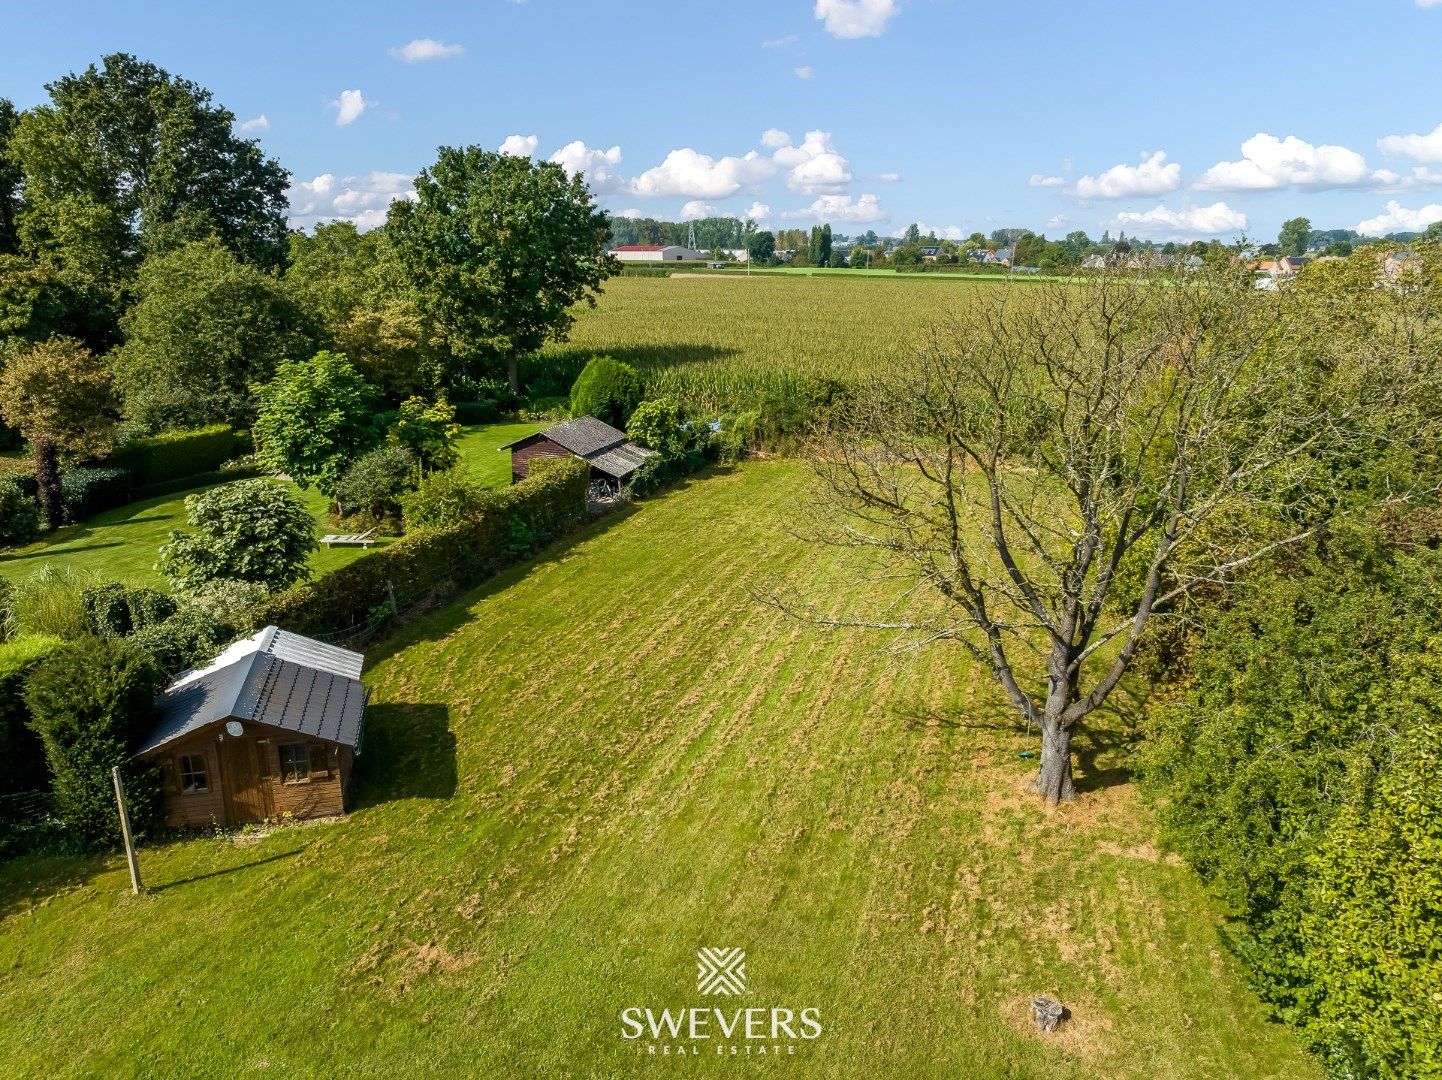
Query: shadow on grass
pixel 221 873
pixel 409 753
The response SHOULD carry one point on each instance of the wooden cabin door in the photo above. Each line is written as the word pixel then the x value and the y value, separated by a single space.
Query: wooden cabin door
pixel 246 791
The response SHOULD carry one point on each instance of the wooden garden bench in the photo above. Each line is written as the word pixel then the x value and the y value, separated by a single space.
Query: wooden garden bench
pixel 363 539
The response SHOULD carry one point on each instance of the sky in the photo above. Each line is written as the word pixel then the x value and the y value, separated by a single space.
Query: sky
pixel 1166 120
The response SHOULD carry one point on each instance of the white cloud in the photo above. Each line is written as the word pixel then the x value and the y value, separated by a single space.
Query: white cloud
pixel 815 168
pixel 758 212
pixel 1397 218
pixel 1428 3
pixel 360 199
pixel 941 232
pixel 519 145
pixel 1038 180
pixel 775 138
pixel 692 175
pixel 1426 147
pixel 856 18
pixel 1269 162
pixel 697 209
pixel 890 177
pixel 349 106
pixel 1162 223
pixel 597 166
pixel 804 73
pixel 1057 221
pixel 630 214
pixel 841 208
pixel 1152 177
pixel 780 42
pixel 255 123
pixel 413 52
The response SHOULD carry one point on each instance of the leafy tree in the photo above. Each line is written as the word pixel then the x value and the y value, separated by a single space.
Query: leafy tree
pixel 608 390
pixel 760 246
pixel 37 302
pixel 91 701
pixel 907 256
pixel 314 419
pixel 498 250
pixel 1292 240
pixel 156 157
pixel 205 329
pixel 660 425
pixel 374 484
pixel 1340 248
pixel 823 250
pixel 11 179
pixel 251 530
pixel 913 234
pixel 440 500
pixel 429 431
pixel 57 394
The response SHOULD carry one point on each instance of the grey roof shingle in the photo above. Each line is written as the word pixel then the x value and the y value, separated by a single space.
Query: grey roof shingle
pixel 620 461
pixel 264 688
pixel 585 435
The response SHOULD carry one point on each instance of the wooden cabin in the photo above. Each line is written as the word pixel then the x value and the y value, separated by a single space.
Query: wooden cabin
pixel 271 728
pixel 612 457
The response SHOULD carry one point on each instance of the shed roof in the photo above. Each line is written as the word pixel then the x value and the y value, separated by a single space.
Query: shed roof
pixel 264 688
pixel 585 435
pixel 282 643
pixel 642 247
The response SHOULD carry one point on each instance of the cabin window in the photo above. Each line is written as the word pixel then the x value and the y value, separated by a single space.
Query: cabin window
pixel 294 763
pixel 319 762
pixel 193 777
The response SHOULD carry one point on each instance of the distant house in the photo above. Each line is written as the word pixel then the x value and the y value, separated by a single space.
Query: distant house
pixel 1095 262
pixel 613 457
pixel 657 253
pixel 270 728
pixel 930 254
pixel 1002 255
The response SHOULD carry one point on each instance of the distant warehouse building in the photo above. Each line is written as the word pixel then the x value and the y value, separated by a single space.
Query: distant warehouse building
pixel 657 253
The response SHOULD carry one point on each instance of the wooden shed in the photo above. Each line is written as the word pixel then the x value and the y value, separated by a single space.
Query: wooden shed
pixel 612 457
pixel 271 728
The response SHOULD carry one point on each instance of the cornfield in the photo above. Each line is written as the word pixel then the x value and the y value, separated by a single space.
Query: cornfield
pixel 721 343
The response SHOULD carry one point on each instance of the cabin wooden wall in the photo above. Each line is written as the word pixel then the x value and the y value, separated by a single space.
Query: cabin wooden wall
pixel 521 456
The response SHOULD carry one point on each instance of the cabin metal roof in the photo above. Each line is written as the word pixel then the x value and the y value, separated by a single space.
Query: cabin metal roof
pixel 263 687
pixel 604 447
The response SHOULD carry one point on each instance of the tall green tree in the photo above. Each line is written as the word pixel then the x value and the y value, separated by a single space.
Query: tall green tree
pixel 313 420
pixel 1292 240
pixel 499 249
pixel 760 246
pixel 205 329
pixel 10 182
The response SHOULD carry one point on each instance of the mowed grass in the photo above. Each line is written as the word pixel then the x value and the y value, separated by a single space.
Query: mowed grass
pixel 579 774
pixel 722 341
pixel 123 544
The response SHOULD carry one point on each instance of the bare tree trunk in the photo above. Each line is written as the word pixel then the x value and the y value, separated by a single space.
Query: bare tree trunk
pixel 47 480
pixel 513 373
pixel 1053 779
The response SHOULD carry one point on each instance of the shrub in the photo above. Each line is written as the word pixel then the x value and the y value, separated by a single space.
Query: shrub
pixel 149 607
pixel 176 454
pixel 373 486
pixel 190 638
pixel 608 390
pixel 657 472
pixel 546 504
pixel 90 702
pixel 20 748
pixel 85 492
pixel 52 601
pixel 252 530
pixel 739 435
pixel 428 431
pixel 106 610
pixel 441 500
pixel 230 604
pixel 659 425
pixel 19 513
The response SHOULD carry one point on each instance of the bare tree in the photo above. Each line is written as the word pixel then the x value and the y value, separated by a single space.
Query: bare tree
pixel 1066 462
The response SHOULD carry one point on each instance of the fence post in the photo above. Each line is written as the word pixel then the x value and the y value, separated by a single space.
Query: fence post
pixel 391 599
pixel 125 829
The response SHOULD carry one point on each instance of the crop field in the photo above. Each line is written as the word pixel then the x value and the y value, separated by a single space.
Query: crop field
pixel 723 341
pixel 579 774
pixel 122 544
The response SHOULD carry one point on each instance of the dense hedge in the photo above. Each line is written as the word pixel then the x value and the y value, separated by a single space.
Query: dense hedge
pixel 512 522
pixel 85 491
pixel 197 480
pixel 175 454
pixel 20 748
pixel 19 515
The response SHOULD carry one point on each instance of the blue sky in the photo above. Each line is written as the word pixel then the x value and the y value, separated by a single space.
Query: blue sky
pixel 868 113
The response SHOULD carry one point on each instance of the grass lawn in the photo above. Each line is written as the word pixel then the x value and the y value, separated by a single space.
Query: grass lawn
pixel 579 774
pixel 122 544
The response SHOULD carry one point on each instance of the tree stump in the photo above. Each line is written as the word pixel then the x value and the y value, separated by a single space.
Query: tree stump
pixel 1048 1013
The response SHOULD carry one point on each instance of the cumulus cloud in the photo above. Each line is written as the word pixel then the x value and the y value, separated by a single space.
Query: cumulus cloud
pixel 689 174
pixel 1268 162
pixel 1163 223
pixel 414 52
pixel 804 73
pixel 775 138
pixel 1426 147
pixel 697 209
pixel 254 124
pixel 780 42
pixel 941 232
pixel 890 177
pixel 630 214
pixel 1038 180
pixel 855 18
pixel 1398 218
pixel 1154 176
pixel 814 167
pixel 363 199
pixel 864 210
pixel 597 166
pixel 758 212
pixel 519 145
pixel 349 106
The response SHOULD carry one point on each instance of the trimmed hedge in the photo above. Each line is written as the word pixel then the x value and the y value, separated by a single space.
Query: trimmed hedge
pixel 197 480
pixel 511 523
pixel 175 454
pixel 20 748
pixel 85 491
